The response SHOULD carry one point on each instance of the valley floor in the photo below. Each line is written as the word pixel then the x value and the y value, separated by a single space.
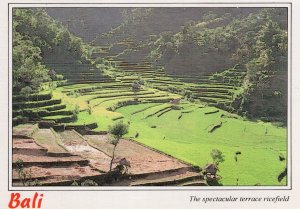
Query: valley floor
pixel 187 132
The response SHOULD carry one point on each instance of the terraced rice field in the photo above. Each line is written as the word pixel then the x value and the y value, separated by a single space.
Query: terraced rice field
pixel 217 89
pixel 176 114
pixel 88 157
pixel 184 131
pixel 185 134
pixel 96 102
pixel 43 166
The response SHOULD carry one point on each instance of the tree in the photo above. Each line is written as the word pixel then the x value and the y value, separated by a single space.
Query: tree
pixel 118 130
pixel 136 86
pixel 217 156
pixel 37 36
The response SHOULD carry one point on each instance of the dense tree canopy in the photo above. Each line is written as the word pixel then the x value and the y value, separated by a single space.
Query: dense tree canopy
pixel 256 44
pixel 35 34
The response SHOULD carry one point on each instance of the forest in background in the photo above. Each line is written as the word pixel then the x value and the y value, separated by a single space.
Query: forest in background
pixel 200 42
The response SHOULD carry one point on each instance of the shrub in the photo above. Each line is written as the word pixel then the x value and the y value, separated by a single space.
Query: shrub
pixel 89 183
pixel 197 168
pixel 26 91
pixel 74 183
pixel 141 81
pixel 281 157
pixel 59 77
pixel 76 109
pixel 136 86
pixel 52 74
pixel 89 110
pixel 217 156
pixel 118 129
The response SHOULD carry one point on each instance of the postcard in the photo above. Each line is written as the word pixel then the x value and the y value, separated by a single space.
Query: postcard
pixel 149 104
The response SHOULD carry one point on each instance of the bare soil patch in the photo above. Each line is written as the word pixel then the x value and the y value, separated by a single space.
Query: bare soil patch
pixel 77 145
pixel 27 146
pixel 58 173
pixel 29 160
pixel 89 157
pixel 142 159
pixel 38 165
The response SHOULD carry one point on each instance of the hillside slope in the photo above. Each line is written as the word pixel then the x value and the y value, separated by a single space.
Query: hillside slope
pixel 254 41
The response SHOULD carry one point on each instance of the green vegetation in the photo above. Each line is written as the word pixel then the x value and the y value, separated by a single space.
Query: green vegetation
pixel 118 130
pixel 188 139
pixel 243 55
pixel 38 40
pixel 210 85
pixel 217 156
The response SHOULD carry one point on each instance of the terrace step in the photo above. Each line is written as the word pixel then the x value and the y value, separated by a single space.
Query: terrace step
pixel 57 175
pixel 148 165
pixel 194 183
pixel 172 179
pixel 54 107
pixel 214 100
pixel 61 118
pixel 47 161
pixel 36 104
pixel 214 95
pixel 46 138
pixel 27 146
pixel 76 144
pixel 24 130
pixel 212 90
pixel 47 170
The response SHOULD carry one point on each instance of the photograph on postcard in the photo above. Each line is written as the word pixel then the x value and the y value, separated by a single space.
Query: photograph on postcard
pixel 149 96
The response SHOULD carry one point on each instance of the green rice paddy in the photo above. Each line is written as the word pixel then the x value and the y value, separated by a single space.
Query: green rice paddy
pixel 186 130
pixel 184 133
